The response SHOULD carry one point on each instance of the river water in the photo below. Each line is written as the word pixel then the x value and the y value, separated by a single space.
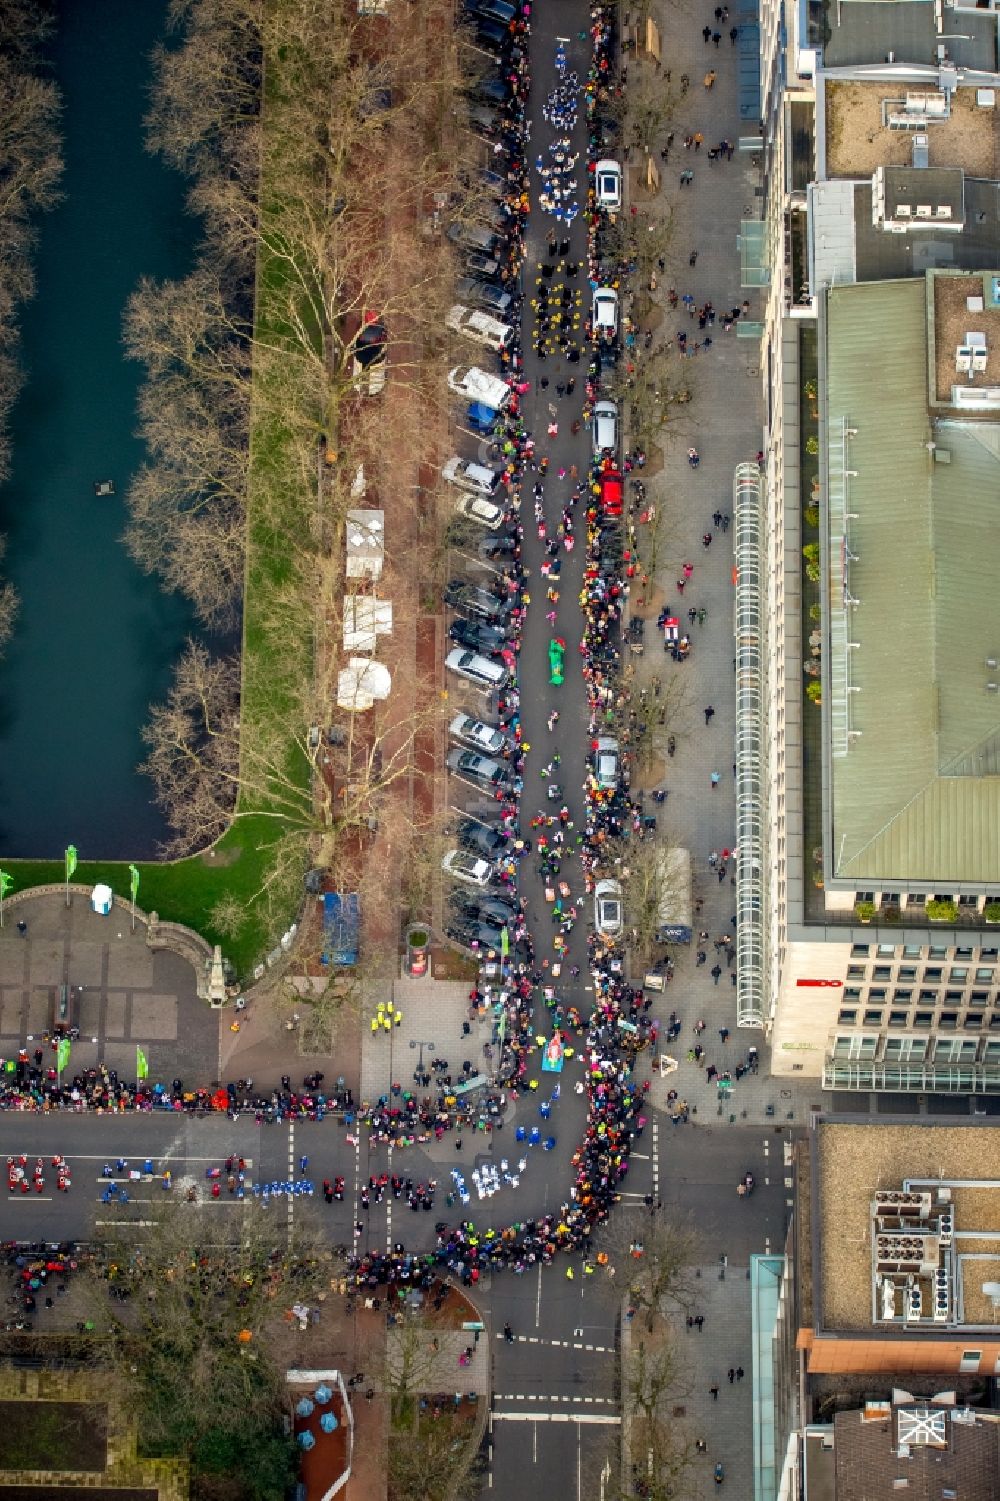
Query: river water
pixel 95 638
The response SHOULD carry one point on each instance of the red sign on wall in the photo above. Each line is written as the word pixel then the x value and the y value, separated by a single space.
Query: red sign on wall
pixel 835 983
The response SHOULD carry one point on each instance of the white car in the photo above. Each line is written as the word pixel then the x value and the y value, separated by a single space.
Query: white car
pixel 608 907
pixel 605 427
pixel 478 478
pixel 479 327
pixel 482 737
pixel 478 385
pixel 467 868
pixel 608 186
pixel 607 763
pixel 475 508
pixel 486 672
pixel 604 313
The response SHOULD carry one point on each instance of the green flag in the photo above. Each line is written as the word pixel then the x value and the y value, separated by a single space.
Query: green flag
pixel 141 1064
pixel 62 1053
pixel 133 876
pixel 71 859
pixel 6 882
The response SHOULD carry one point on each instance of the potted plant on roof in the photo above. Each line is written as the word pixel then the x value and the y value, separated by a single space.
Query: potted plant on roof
pixel 864 911
pixel 942 909
pixel 991 912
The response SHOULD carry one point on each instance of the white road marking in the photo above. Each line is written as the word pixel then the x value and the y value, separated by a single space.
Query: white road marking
pixel 538 1298
pixel 556 1417
pixel 656 1161
pixel 558 1344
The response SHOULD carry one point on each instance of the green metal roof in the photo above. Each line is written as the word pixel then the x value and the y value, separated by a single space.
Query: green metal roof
pixel 915 731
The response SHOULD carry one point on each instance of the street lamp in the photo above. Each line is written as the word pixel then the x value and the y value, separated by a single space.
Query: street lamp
pixel 421 1045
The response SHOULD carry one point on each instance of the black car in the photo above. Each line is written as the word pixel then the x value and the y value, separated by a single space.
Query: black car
pixel 483 934
pixel 490 36
pixel 497 547
pixel 472 600
pixel 501 11
pixel 483 294
pixel 476 908
pixel 493 182
pixel 480 839
pixel 477 635
pixel 493 89
pixel 485 122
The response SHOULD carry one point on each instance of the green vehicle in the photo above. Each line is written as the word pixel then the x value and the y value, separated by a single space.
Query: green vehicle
pixel 557 650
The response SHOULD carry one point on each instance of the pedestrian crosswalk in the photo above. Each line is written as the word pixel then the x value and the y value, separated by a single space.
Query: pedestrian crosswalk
pixel 560 1344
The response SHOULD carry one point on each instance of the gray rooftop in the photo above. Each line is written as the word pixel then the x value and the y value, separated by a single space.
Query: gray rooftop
pixel 915 788
pixel 864 33
pixel 847 246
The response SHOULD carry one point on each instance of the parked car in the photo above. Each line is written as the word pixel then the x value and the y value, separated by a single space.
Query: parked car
pixel 493 87
pixel 475 935
pixel 481 839
pixel 484 121
pixel 483 908
pixel 477 635
pixel 471 599
pixel 605 427
pixel 486 672
pixel 495 10
pixel 604 313
pixel 483 294
pixel 467 475
pixel 471 869
pixel 474 324
pixel 493 181
pixel 473 237
pixel 475 508
pixel 481 736
pixel 608 907
pixel 481 265
pixel 607 763
pixel 608 185
pixel 497 549
pixel 478 385
pixel 481 770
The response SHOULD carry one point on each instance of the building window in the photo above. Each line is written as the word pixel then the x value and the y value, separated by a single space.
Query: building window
pixel 905 1049
pixel 911 951
pixel 882 972
pixel 855 1045
pixel 916 898
pixel 959 974
pixel 856 972
pixel 923 1018
pixel 988 953
pixel 970 1360
pixel 933 972
pixel 873 1018
pixel 886 951
pixel 953 998
pixel 991 1052
pixel 852 993
pixel 847 1018
pixel 859 950
pixel 968 901
pixel 937 951
pixel 955 1050
pixel 994 1022
pixel 972 1021
pixel 897 1018
pixel 928 996
pixel 864 896
pixel 984 976
pixel 876 994
pixel 907 972
pixel 949 1019
pixel 979 998
pixel 963 953
pixel 902 997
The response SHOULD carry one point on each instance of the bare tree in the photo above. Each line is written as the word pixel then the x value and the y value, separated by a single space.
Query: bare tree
pixel 655 1257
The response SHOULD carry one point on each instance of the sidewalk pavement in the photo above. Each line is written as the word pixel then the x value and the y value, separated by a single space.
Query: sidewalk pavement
pixel 723 422
pixel 433 1013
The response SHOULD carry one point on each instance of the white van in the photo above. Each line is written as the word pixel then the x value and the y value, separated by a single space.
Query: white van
pixel 476 385
pixel 480 327
pixel 605 427
pixel 478 478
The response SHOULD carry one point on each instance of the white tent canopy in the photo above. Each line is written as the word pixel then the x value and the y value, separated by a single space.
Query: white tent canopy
pixel 365 619
pixel 365 544
pixel 361 682
pixel 102 899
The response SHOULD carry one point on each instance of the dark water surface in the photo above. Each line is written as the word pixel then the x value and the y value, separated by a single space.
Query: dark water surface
pixel 95 638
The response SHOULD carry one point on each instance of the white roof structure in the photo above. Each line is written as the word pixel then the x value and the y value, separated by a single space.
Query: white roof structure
pixel 365 544
pixel 102 899
pixel 365 619
pixel 360 683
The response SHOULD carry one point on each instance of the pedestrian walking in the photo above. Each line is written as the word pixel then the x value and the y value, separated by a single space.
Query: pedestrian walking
pixel 732 1374
pixel 709 714
pixel 723 1034
pixel 715 778
pixel 739 1373
pixel 699 1319
pixel 734 32
pixel 715 972
pixel 714 1389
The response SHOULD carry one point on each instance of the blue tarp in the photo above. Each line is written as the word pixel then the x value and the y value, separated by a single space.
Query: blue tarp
pixel 341 927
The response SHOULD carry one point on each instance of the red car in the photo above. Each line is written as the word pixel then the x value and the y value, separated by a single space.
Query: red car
pixel 612 492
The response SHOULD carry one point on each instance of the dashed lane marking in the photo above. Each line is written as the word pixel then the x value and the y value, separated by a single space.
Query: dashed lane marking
pixel 559 1344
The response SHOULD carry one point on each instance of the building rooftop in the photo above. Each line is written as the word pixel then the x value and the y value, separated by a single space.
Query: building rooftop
pixel 859 137
pixel 926 1450
pixel 852 1163
pixel 913 554
pixel 866 33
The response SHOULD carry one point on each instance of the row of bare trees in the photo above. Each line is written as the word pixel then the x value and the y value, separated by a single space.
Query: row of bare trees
pixel 30 169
